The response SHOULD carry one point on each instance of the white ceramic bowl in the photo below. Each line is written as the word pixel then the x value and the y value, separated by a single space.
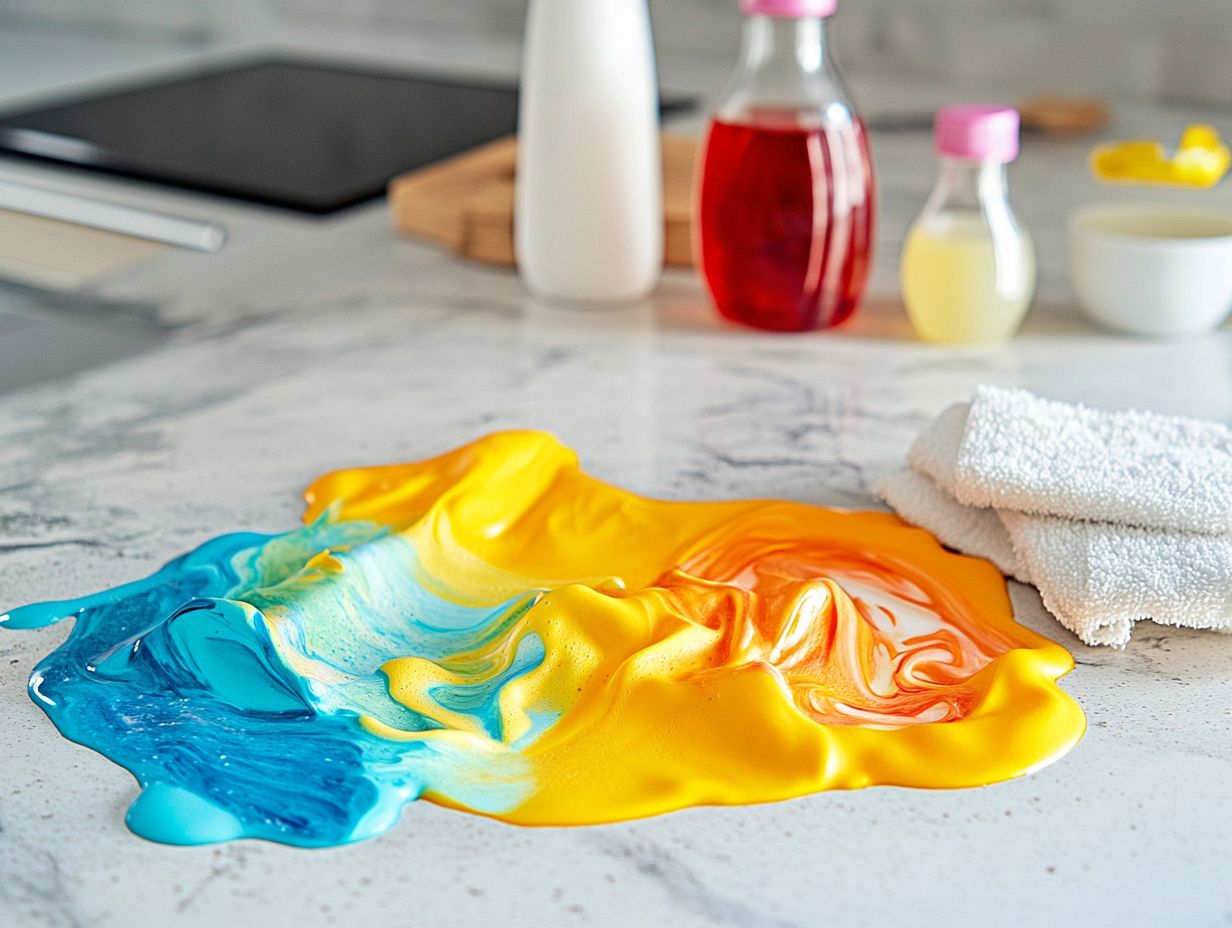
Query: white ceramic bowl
pixel 1152 269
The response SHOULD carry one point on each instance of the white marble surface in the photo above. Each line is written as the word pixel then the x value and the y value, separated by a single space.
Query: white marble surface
pixel 315 345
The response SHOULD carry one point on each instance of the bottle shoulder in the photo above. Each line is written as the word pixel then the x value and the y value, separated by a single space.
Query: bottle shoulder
pixel 969 222
pixel 968 239
pixel 799 99
pixel 970 198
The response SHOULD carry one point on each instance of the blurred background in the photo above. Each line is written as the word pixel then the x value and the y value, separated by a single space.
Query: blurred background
pixel 231 163
pixel 1137 49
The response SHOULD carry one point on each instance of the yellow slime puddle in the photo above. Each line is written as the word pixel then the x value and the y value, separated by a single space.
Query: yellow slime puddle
pixel 703 653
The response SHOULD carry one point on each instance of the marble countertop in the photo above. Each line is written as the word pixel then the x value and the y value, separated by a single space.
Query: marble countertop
pixel 313 345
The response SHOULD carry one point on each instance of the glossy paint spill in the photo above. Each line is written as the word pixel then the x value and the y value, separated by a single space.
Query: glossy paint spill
pixel 496 631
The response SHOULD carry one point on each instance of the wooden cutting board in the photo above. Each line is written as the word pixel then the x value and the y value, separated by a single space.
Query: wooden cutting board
pixel 466 202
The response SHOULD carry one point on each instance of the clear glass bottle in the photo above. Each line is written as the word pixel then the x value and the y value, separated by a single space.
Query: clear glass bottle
pixel 786 199
pixel 968 271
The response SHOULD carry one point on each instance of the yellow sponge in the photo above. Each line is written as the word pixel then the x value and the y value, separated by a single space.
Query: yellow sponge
pixel 1201 160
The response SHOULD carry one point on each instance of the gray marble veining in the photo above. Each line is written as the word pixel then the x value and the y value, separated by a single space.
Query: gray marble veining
pixel 313 346
pixel 107 476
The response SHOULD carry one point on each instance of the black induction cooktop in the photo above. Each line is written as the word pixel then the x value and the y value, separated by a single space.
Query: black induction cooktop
pixel 307 135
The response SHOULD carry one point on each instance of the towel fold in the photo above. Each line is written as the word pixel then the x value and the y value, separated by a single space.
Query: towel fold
pixel 978 532
pixel 1097 578
pixel 1114 517
pixel 1012 450
pixel 1100 578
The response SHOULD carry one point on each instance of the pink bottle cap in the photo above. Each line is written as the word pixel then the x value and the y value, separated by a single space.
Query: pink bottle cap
pixel 977 132
pixel 789 8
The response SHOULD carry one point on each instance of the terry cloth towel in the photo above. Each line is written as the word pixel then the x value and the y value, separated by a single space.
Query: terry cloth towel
pixel 978 532
pixel 1012 450
pixel 1115 517
pixel 1097 578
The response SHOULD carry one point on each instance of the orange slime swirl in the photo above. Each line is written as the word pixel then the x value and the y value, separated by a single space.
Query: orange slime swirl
pixel 701 653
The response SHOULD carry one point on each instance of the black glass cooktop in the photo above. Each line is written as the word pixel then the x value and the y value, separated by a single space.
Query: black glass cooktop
pixel 305 135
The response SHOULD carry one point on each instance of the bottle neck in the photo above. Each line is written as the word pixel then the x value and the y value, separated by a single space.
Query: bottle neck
pixel 785 43
pixel 787 75
pixel 963 184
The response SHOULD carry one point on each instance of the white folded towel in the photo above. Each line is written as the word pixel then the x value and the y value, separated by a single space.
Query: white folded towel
pixel 1066 517
pixel 1013 450
pixel 1097 578
pixel 978 532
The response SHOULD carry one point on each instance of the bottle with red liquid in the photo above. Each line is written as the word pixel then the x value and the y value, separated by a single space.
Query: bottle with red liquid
pixel 786 204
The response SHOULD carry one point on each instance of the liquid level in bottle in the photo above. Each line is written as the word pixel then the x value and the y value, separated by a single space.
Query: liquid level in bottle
pixel 786 223
pixel 963 285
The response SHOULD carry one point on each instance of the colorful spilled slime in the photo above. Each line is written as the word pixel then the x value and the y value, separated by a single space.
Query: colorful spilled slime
pixel 496 631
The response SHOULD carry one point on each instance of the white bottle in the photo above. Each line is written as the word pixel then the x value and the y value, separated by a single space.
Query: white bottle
pixel 589 216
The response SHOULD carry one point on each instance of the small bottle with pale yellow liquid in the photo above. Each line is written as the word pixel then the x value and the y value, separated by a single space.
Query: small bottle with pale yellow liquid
pixel 968 270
